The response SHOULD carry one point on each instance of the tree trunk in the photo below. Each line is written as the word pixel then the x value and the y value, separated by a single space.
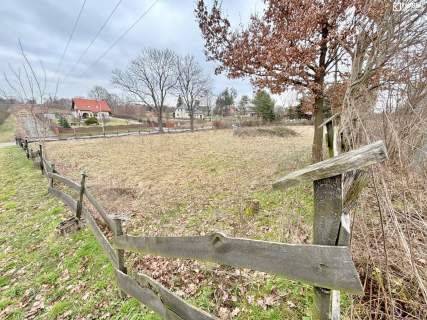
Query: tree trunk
pixel 317 148
pixel 192 121
pixel 160 119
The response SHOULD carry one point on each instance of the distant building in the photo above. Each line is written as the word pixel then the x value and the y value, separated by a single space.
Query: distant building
pixel 85 108
pixel 182 113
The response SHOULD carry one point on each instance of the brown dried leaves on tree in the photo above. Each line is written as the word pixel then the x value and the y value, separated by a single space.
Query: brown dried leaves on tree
pixel 292 44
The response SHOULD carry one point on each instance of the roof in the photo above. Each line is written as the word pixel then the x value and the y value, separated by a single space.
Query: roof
pixel 90 105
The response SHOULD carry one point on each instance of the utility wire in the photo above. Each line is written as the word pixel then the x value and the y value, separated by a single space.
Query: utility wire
pixel 93 40
pixel 120 37
pixel 68 44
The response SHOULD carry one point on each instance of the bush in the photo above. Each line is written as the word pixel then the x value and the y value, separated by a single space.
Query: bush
pixel 251 122
pixel 91 120
pixel 64 123
pixel 221 124
pixel 265 131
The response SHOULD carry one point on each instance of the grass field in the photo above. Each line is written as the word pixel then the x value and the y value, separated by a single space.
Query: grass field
pixel 193 183
pixel 44 275
pixel 167 184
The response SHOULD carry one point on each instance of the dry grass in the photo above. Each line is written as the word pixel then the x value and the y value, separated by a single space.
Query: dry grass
pixel 187 183
pixel 197 183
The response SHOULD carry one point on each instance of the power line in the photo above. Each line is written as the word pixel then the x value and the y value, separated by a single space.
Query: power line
pixel 93 40
pixel 68 44
pixel 120 37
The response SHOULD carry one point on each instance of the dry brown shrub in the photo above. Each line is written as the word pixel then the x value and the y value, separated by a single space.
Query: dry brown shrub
pixel 390 229
pixel 264 131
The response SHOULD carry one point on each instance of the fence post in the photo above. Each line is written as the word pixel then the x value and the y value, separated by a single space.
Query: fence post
pixel 120 252
pixel 41 158
pixel 328 203
pixel 51 179
pixel 80 202
pixel 27 152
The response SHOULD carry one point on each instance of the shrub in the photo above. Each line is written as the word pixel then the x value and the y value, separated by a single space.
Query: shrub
pixel 64 123
pixel 221 124
pixel 91 120
pixel 265 131
pixel 254 122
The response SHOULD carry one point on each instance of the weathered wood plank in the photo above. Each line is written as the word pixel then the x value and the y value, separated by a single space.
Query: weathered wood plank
pixel 324 266
pixel 65 198
pixel 355 159
pixel 143 295
pixel 156 297
pixel 81 193
pixel 120 253
pixel 69 183
pixel 41 158
pixel 172 301
pixel 329 119
pixel 343 240
pixel 328 206
pixel 47 166
pixel 103 241
pixel 100 209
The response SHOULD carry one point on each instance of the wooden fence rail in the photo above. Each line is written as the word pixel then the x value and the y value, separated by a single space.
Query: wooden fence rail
pixel 104 215
pixel 159 299
pixel 326 264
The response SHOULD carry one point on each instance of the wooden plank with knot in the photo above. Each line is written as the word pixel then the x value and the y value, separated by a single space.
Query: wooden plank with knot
pixel 323 266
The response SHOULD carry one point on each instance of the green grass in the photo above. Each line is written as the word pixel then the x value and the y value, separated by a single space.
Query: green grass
pixel 7 129
pixel 70 277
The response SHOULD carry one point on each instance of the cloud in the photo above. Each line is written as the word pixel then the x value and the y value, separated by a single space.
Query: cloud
pixel 45 25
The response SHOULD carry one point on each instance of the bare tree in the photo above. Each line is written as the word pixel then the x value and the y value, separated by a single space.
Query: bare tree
pixel 191 83
pixel 209 101
pixel 29 85
pixel 98 93
pixel 150 77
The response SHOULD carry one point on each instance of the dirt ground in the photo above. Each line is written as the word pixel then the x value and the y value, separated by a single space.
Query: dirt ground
pixel 192 183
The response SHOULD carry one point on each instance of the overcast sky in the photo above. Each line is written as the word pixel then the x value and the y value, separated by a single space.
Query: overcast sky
pixel 44 26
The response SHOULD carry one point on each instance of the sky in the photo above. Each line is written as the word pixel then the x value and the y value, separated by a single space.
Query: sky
pixel 44 27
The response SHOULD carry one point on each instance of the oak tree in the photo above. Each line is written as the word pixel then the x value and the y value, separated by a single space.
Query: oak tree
pixel 293 43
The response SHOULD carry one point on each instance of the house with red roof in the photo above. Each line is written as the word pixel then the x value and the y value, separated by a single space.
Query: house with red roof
pixel 85 108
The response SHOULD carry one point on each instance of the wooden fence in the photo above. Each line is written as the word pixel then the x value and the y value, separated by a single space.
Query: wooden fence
pixel 326 264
